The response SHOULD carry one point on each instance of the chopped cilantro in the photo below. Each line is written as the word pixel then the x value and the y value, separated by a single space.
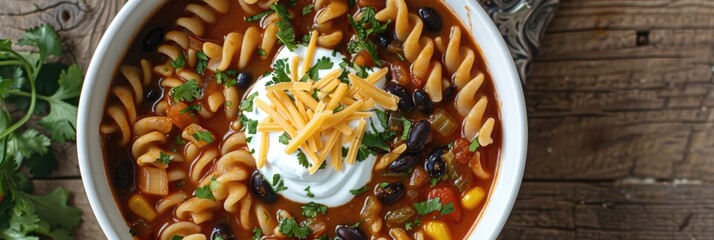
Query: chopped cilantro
pixel 248 139
pixel 377 139
pixel 359 191
pixel 308 193
pixel 323 63
pixel 202 62
pixel 290 228
pixel 284 138
pixel 285 34
pixel 177 237
pixel 188 91
pixel 311 209
pixel 164 158
pixel 258 16
pixel 249 124
pixel 383 184
pixel 338 109
pixel 364 28
pixel 474 145
pixel 409 225
pixel 302 159
pixel 205 193
pixel 261 52
pixel 179 141
pixel 278 184
pixel 179 62
pixel 204 136
pixel 229 103
pixel 307 9
pixel 282 72
pixel 257 233
pixel 407 126
pixel 191 108
pixel 428 206
pixel 247 103
pixel 447 208
pixel 436 180
pixel 401 57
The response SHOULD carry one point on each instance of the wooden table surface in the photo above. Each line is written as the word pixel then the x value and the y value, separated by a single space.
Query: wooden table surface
pixel 621 118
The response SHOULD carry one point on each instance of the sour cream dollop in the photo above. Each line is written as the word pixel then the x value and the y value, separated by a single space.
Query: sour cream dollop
pixel 329 186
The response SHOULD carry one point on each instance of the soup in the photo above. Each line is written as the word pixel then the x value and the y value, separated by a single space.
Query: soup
pixel 298 119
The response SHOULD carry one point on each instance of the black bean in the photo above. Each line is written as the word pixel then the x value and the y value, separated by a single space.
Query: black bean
pixel 244 80
pixel 390 193
pixel 350 233
pixel 449 92
pixel 405 101
pixel 383 40
pixel 422 102
pixel 434 164
pixel 222 231
pixel 153 39
pixel 417 136
pixel 152 95
pixel 262 189
pixel 431 19
pixel 403 163
pixel 123 174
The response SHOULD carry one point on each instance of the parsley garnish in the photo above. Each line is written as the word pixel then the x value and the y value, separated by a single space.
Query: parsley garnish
pixel 204 136
pixel 205 193
pixel 282 72
pixel 285 34
pixel 311 209
pixel 308 193
pixel 229 103
pixel 257 233
pixel 367 26
pixel 188 91
pixel 247 103
pixel 474 145
pixel 307 9
pixel 261 52
pixel 447 208
pixel 302 159
pixel 249 124
pixel 359 191
pixel 292 229
pixel 436 180
pixel 433 205
pixel 179 141
pixel 177 237
pixel 409 225
pixel 213 185
pixel 278 184
pixel 191 108
pixel 179 62
pixel 258 16
pixel 383 184
pixel 407 126
pixel 378 140
pixel 284 138
pixel 164 158
pixel 202 62
pixel 322 64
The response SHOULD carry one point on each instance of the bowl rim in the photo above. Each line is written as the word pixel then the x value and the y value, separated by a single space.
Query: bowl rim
pixel 125 26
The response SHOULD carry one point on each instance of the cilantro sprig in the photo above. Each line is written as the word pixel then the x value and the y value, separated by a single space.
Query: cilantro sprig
pixel 286 33
pixel 367 26
pixel 25 78
pixel 311 209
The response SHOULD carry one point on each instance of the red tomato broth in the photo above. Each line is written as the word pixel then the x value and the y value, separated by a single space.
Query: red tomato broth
pixel 347 214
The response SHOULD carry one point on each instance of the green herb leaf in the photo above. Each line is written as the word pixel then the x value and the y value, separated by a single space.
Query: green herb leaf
pixel 61 122
pixel 474 145
pixel 383 184
pixel 179 62
pixel 177 237
pixel 409 225
pixel 202 62
pixel 164 158
pixel 179 141
pixel 428 206
pixel 285 34
pixel 407 126
pixel 447 208
pixel 278 184
pixel 205 193
pixel 257 233
pixel 359 191
pixel 258 16
pixel 204 136
pixel 192 108
pixel 282 71
pixel 45 38
pixel 249 124
pixel 307 9
pixel 292 229
pixel 53 209
pixel 302 159
pixel 261 52
pixel 309 193
pixel 247 103
pixel 284 138
pixel 188 91
pixel 311 209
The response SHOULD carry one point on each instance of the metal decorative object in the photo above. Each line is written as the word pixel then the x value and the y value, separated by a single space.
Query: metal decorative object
pixel 522 24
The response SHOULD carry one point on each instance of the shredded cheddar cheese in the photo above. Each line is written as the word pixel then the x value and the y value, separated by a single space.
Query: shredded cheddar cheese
pixel 316 114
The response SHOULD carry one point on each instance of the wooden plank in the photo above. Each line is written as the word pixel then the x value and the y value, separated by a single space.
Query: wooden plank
pixel 633 208
pixel 89 228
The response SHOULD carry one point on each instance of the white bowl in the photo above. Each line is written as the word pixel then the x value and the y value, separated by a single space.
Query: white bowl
pixel 135 13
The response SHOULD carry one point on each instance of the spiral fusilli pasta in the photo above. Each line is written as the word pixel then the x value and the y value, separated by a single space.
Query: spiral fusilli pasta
pixel 124 115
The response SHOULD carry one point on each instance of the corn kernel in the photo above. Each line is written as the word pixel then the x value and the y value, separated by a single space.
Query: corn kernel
pixel 139 206
pixel 473 198
pixel 437 230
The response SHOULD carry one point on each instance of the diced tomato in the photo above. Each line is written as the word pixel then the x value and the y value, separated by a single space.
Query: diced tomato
pixel 446 195
pixel 181 120
pixel 461 150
